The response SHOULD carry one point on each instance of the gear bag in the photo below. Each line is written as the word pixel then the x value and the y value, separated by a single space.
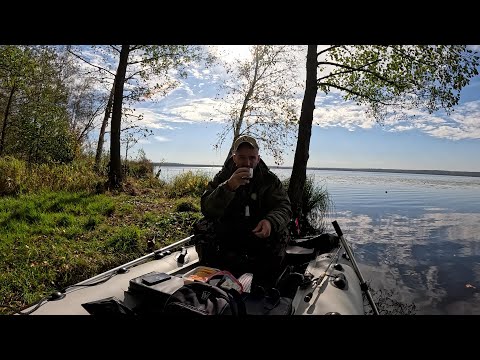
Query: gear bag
pixel 199 298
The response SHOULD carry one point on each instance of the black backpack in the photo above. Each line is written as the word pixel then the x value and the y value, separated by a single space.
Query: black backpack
pixel 206 241
pixel 199 298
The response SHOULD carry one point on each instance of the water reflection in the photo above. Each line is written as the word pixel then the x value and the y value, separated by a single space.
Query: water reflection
pixel 413 233
pixel 432 261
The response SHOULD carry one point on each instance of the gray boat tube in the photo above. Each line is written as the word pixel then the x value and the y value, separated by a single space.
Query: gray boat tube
pixel 363 284
pixel 155 254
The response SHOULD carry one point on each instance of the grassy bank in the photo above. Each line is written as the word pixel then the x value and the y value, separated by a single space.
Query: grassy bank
pixel 59 225
pixel 51 239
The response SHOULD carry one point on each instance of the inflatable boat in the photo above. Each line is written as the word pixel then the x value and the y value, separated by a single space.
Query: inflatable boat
pixel 321 277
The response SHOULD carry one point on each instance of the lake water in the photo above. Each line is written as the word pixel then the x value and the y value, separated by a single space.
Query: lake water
pixel 415 235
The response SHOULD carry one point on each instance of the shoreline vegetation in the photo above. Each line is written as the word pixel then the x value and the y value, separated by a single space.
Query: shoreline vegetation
pixel 60 225
pixel 394 171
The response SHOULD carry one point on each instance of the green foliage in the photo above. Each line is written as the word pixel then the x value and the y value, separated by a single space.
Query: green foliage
pixel 25 212
pixel 12 173
pixel 38 126
pixel 186 206
pixel 188 184
pixel 51 240
pixel 139 169
pixel 175 225
pixel 261 98
pixel 315 204
pixel 16 177
pixel 140 66
pixel 41 245
pixel 399 77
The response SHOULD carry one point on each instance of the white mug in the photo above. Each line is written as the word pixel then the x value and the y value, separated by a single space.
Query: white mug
pixel 251 173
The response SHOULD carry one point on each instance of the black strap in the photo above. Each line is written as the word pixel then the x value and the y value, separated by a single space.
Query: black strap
pixel 240 308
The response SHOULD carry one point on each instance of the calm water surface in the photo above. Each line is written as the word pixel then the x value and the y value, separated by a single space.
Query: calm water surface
pixel 418 235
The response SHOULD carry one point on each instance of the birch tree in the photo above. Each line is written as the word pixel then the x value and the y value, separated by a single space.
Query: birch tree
pixel 260 99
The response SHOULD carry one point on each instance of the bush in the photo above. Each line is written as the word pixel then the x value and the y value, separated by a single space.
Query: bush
pixel 315 205
pixel 188 183
pixel 12 171
pixel 139 169
pixel 186 206
pixel 16 177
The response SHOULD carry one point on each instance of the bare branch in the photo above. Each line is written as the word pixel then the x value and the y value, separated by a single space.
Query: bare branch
pixel 354 93
pixel 89 63
pixel 360 68
pixel 327 49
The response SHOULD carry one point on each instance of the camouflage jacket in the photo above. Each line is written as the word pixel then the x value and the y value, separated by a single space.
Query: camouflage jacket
pixel 265 197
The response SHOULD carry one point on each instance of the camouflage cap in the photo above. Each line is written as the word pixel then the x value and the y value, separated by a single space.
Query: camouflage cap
pixel 245 139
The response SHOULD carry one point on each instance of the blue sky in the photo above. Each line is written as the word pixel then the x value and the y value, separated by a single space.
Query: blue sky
pixel 342 136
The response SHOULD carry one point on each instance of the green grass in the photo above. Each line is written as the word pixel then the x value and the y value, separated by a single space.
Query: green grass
pixel 57 228
pixel 52 239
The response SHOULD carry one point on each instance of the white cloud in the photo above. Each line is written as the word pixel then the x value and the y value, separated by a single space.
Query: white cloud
pixel 401 128
pixel 332 111
pixel 230 53
pixel 462 124
pixel 161 138
pixel 195 110
pixel 153 120
pixel 182 110
pixel 350 116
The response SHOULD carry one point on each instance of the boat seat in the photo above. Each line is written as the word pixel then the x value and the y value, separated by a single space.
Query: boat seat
pixel 296 255
pixel 323 242
pixel 299 250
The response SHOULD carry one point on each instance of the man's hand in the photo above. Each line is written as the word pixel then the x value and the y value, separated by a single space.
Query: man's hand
pixel 239 177
pixel 263 229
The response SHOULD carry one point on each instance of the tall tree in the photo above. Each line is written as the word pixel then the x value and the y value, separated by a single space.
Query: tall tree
pixel 42 124
pixel 16 67
pixel 38 120
pixel 85 101
pixel 103 127
pixel 137 64
pixel 387 79
pixel 260 98
pixel 299 170
pixel 104 74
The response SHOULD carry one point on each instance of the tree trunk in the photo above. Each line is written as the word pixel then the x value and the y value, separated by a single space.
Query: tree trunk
pixel 299 171
pixel 101 136
pixel 115 172
pixel 5 119
pixel 238 125
pixel 236 132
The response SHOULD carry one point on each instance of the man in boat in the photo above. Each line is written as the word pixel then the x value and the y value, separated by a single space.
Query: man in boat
pixel 247 212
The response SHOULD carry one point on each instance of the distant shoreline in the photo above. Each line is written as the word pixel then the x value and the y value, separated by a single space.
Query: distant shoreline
pixel 427 172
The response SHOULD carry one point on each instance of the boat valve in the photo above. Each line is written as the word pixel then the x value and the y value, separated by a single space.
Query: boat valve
pixel 182 258
pixel 56 295
pixel 340 281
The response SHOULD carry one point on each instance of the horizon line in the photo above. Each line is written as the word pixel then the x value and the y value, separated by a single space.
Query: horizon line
pixel 412 171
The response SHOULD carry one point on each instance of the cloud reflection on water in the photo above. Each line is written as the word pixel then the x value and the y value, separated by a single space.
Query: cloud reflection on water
pixel 429 260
